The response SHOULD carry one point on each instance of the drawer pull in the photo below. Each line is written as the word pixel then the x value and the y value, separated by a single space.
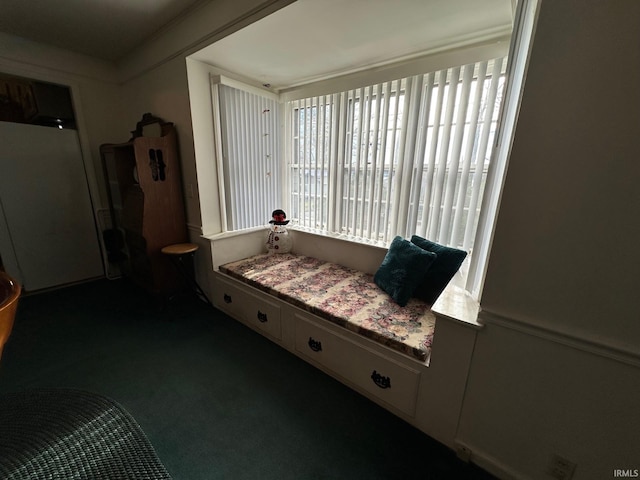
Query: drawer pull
pixel 262 317
pixel 227 298
pixel 315 345
pixel 381 381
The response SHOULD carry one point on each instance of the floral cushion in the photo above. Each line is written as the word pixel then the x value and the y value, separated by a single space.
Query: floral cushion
pixel 344 296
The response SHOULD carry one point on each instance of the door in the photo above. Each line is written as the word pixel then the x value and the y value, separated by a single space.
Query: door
pixel 48 234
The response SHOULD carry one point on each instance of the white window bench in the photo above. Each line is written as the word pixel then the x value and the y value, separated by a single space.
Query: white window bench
pixel 425 387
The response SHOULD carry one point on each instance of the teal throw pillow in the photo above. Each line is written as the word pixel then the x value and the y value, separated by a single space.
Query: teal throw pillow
pixel 445 266
pixel 403 269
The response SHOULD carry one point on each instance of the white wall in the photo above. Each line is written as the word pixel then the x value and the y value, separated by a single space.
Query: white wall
pixel 528 398
pixel 564 253
pixel 164 93
pixel 95 94
pixel 556 369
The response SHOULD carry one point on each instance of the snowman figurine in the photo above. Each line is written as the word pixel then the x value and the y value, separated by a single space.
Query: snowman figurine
pixel 279 240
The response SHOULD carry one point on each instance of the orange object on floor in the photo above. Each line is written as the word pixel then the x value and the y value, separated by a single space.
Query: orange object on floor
pixel 9 295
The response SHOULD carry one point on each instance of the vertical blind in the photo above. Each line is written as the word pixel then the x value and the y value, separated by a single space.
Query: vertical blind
pixel 403 157
pixel 249 143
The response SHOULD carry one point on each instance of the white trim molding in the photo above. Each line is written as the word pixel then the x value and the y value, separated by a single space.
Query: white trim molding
pixel 606 349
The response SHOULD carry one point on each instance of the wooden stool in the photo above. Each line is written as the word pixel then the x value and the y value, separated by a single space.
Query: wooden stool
pixel 181 254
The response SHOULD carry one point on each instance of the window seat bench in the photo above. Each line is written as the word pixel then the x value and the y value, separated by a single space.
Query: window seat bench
pixel 412 360
pixel 341 295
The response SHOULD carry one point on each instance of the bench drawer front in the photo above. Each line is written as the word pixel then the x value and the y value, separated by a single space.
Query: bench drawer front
pixel 263 314
pixel 229 299
pixel 255 310
pixel 390 381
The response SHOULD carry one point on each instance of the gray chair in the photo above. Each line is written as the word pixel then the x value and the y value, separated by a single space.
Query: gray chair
pixel 72 434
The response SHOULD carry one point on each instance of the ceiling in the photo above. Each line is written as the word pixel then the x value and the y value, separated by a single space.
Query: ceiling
pixel 106 29
pixel 343 35
pixel 314 39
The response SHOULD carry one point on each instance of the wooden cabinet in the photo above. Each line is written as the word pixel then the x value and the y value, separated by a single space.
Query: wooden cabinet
pixel 144 187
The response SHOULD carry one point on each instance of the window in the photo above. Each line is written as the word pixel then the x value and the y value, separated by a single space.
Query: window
pixel 397 158
pixel 248 140
pixel 380 154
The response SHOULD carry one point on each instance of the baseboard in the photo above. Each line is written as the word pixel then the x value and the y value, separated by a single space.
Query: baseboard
pixel 482 459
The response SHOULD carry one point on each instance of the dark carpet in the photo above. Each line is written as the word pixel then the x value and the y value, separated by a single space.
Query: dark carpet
pixel 215 399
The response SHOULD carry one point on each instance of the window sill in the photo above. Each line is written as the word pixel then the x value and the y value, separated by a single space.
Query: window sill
pixel 235 233
pixel 457 305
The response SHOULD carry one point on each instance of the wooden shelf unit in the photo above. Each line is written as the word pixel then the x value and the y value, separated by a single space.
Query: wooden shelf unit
pixel 144 187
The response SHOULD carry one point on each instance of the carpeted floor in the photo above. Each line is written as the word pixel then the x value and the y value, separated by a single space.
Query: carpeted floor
pixel 216 400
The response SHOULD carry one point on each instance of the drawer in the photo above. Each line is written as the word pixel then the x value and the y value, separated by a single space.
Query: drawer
pixel 229 299
pixel 263 314
pixel 258 311
pixel 392 382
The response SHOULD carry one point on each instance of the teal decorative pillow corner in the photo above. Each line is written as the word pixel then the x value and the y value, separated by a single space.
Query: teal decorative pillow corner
pixel 403 269
pixel 442 270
